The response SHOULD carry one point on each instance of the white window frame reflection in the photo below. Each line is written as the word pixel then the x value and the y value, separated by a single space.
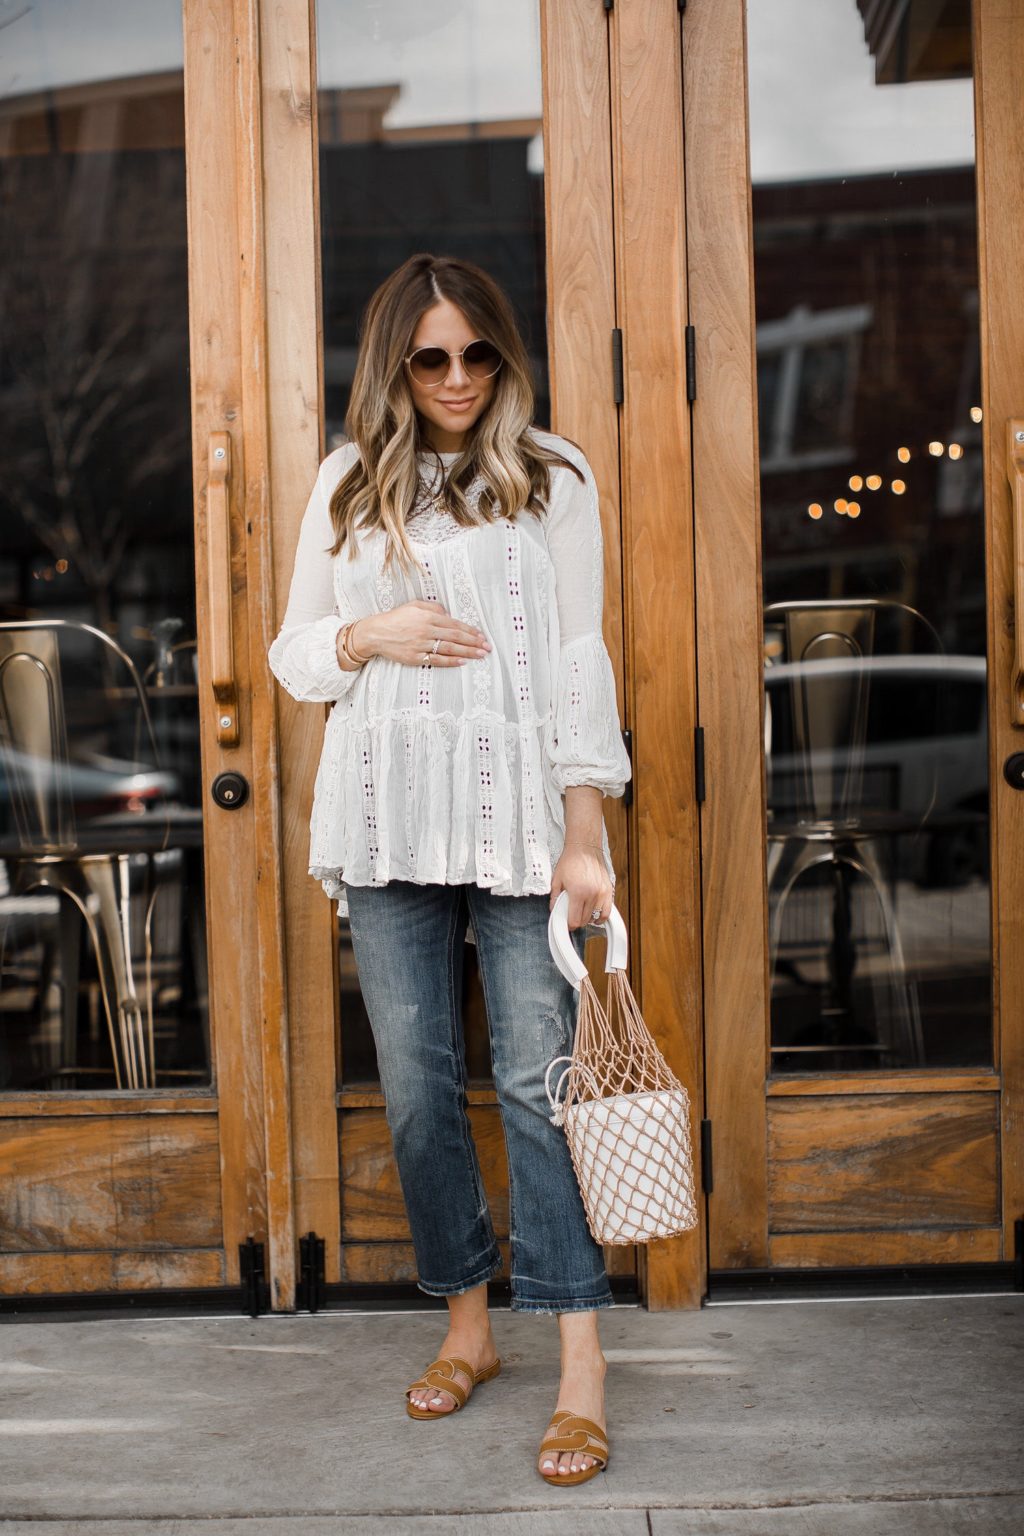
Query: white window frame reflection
pixel 794 336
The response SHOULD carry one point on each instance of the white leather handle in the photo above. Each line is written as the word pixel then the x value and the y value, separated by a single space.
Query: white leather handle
pixel 566 958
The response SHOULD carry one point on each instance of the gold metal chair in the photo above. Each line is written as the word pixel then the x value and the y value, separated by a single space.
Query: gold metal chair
pixel 68 693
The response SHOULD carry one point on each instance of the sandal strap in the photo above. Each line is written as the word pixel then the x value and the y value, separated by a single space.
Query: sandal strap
pixel 440 1375
pixel 573 1432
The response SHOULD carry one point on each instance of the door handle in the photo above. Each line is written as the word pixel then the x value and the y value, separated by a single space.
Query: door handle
pixel 1015 475
pixel 218 565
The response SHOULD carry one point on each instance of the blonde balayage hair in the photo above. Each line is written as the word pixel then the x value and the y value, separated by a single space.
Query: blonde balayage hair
pixel 380 487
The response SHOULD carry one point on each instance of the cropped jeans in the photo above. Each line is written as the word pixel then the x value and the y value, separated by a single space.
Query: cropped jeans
pixel 408 943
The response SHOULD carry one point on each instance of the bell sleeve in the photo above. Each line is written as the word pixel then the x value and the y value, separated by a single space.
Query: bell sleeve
pixel 584 744
pixel 304 657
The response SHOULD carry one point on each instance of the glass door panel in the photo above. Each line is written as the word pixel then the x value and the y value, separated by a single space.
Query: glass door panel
pixel 865 241
pixel 103 980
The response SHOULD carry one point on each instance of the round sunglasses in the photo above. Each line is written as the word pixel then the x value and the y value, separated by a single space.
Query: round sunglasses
pixel 432 365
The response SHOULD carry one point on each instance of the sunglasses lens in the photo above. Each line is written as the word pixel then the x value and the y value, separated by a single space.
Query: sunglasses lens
pixel 429 365
pixel 481 359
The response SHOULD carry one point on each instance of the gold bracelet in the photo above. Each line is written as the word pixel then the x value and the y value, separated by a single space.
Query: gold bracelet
pixel 348 649
pixel 341 648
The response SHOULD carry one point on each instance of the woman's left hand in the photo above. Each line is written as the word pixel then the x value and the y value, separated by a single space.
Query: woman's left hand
pixel 582 873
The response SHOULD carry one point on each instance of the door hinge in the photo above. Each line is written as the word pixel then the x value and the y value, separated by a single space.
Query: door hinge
pixel 627 793
pixel 698 762
pixel 255 1293
pixel 682 6
pixel 618 394
pixel 609 5
pixel 1018 1254
pixel 707 1180
pixel 310 1291
pixel 691 363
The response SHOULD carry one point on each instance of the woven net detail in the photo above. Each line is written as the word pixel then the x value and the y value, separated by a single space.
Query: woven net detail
pixel 627 1122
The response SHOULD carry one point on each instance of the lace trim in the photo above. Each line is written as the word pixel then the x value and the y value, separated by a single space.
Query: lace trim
pixel 466 610
pixel 431 523
pixel 428 586
pixel 524 704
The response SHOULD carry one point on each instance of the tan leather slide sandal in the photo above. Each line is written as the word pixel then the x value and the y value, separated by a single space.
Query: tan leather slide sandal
pixel 571 1432
pixel 440 1374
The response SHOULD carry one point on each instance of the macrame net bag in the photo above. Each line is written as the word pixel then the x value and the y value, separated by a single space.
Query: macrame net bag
pixel 627 1121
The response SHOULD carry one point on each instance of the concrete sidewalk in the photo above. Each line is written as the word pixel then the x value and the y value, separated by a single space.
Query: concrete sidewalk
pixel 834 1418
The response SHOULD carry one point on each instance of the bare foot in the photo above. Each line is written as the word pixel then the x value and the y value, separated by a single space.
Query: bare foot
pixel 581 1391
pixel 476 1347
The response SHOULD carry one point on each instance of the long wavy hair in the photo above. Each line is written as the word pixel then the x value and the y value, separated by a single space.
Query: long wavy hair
pixel 380 487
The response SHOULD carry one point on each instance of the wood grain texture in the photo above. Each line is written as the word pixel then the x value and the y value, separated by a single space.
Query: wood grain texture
pixel 651 288
pixel 218 248
pixel 849 1250
pixel 580 260
pixel 142 1101
pixel 372 1208
pixel 883 1161
pixel 727 522
pixel 295 417
pixel 929 1080
pixel 70 1273
pixel 109 1183
pixel 998 46
pixel 259 397
pixel 580 270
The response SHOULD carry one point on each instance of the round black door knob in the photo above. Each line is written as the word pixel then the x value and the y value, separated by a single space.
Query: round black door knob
pixel 1013 770
pixel 230 790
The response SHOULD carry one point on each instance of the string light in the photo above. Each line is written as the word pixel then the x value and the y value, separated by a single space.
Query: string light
pixel 874 482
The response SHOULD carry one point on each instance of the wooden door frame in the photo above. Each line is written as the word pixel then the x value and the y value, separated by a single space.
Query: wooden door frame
pixel 658 559
pixel 728 550
pixel 228 323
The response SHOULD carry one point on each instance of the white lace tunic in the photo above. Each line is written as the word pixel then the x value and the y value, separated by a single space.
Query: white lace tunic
pixel 456 774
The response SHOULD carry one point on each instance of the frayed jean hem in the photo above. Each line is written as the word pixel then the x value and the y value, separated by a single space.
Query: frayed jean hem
pixel 570 1304
pixel 461 1286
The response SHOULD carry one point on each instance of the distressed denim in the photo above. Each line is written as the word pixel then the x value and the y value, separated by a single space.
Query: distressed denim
pixel 408 943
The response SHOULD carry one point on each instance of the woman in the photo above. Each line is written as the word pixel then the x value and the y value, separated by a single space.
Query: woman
pixel 447 596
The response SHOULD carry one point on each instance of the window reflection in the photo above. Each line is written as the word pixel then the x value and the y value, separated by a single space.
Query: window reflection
pixel 866 290
pixel 102 926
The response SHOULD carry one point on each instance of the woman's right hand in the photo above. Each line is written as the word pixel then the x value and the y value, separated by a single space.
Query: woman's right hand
pixel 404 633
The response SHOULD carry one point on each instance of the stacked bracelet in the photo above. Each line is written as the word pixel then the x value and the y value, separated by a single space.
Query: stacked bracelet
pixel 347 649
